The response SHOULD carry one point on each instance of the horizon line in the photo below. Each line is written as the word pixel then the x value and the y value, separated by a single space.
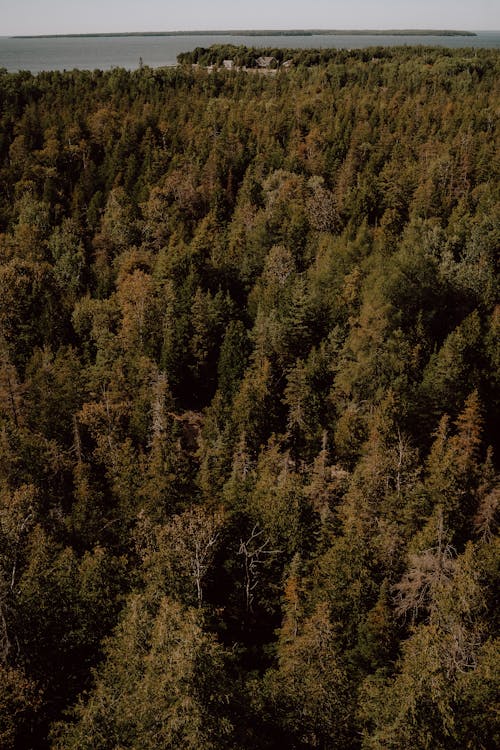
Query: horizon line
pixel 261 32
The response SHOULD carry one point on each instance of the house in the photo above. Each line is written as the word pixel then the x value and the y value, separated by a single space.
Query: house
pixel 228 64
pixel 265 62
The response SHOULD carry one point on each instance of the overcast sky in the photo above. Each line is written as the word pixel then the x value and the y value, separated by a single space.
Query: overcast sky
pixel 87 16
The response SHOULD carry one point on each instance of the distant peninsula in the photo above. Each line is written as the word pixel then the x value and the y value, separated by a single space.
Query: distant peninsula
pixel 262 32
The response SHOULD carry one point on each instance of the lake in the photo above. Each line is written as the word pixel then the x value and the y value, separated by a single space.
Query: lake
pixel 89 53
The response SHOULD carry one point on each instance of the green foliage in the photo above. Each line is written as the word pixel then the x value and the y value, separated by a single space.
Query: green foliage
pixel 249 403
pixel 162 683
pixel 309 690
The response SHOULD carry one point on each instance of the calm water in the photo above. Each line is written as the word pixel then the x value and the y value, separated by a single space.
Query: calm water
pixel 90 53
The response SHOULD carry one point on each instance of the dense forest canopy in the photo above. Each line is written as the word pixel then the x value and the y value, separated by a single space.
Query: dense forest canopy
pixel 249 378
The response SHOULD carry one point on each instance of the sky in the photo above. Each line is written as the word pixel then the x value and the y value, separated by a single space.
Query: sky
pixel 19 17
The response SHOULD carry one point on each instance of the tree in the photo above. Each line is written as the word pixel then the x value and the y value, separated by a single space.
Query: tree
pixel 19 698
pixel 233 359
pixel 454 467
pixel 29 307
pixel 453 372
pixel 179 554
pixel 135 296
pixel 162 683
pixel 68 255
pixel 421 705
pixel 309 690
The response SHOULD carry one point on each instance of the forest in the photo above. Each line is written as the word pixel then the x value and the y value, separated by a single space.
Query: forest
pixel 249 404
